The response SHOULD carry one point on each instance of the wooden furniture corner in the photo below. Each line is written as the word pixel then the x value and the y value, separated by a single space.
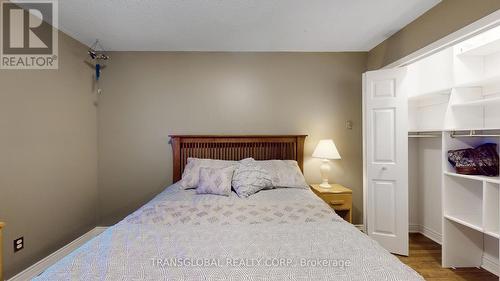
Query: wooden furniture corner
pixel 338 197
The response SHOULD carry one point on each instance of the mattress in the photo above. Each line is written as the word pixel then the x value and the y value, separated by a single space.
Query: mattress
pixel 279 234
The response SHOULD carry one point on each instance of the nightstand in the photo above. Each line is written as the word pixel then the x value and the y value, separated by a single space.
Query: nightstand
pixel 338 197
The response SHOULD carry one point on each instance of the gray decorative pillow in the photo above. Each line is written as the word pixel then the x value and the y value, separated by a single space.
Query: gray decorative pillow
pixel 191 174
pixel 215 181
pixel 249 178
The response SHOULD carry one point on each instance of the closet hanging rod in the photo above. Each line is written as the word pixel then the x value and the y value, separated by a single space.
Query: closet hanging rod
pixel 472 133
pixel 424 135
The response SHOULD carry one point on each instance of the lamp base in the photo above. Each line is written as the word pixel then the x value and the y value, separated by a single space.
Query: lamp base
pixel 325 171
pixel 325 185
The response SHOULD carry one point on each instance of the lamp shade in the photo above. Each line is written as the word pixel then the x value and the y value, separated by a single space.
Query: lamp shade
pixel 326 149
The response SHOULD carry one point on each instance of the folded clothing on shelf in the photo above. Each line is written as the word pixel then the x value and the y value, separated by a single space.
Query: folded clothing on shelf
pixel 482 160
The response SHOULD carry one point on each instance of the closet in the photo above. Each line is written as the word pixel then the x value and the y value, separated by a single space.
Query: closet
pixel 452 102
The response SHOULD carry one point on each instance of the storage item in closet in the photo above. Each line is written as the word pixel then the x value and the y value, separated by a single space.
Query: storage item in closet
pixel 463 161
pixel 487 159
pixel 482 160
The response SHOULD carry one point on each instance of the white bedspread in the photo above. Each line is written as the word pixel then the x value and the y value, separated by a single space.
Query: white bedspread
pixel 282 234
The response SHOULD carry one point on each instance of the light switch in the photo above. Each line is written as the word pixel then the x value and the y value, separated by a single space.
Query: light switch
pixel 348 124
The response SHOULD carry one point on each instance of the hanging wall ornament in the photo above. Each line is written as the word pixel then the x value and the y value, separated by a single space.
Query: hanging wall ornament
pixel 98 56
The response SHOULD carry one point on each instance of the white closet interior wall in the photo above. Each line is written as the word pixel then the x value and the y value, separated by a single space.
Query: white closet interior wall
pixel 425 176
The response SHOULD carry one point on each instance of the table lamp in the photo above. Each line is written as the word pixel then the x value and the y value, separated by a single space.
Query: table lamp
pixel 327 151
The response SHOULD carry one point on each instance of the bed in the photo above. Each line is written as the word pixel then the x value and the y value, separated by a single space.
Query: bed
pixel 278 234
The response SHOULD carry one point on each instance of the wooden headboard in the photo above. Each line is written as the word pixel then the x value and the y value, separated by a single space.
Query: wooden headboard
pixel 283 147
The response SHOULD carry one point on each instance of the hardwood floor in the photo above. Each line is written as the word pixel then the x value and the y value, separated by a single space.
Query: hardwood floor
pixel 425 258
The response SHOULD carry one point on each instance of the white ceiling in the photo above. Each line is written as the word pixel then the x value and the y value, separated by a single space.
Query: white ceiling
pixel 237 25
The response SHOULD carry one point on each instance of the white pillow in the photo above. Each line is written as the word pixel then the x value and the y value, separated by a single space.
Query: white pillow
pixel 191 174
pixel 252 176
pixel 215 181
pixel 284 173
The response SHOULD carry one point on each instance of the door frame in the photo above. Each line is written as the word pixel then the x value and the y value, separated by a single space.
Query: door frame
pixel 490 21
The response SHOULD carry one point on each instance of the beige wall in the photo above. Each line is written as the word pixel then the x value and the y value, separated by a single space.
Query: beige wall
pixel 149 95
pixel 443 19
pixel 48 148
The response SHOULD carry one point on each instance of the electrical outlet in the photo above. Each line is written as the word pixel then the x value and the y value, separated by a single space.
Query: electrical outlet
pixel 18 244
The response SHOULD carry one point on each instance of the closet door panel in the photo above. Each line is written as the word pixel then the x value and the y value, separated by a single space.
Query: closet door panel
pixel 384 138
pixel 384 198
pixel 386 158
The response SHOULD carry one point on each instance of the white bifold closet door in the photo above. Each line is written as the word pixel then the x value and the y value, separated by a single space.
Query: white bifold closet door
pixel 385 110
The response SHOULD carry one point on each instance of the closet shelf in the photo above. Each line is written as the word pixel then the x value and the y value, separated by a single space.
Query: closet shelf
pixel 480 82
pixel 470 129
pixel 485 81
pixel 473 221
pixel 483 44
pixel 477 178
pixel 445 92
pixel 430 94
pixel 483 102
pixel 486 47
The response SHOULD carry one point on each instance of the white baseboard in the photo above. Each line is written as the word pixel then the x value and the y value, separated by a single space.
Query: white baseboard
pixel 39 267
pixel 431 234
pixel 414 228
pixel 427 232
pixel 490 263
pixel 360 227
